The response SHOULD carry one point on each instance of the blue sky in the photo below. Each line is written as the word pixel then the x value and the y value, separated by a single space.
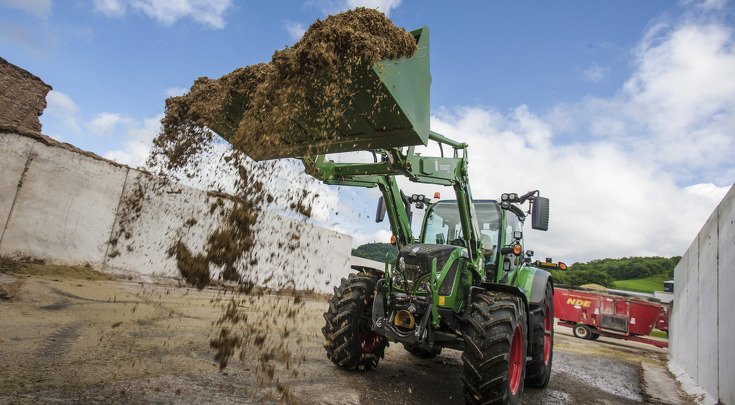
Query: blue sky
pixel 623 112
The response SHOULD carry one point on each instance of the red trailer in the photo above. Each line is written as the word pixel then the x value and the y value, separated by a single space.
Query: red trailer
pixel 592 314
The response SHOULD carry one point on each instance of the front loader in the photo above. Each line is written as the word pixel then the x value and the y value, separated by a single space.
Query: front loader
pixel 464 282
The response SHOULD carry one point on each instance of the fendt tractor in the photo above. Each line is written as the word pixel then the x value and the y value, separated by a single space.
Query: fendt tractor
pixel 465 282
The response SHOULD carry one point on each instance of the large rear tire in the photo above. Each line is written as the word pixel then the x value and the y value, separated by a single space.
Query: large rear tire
pixel 538 370
pixel 350 341
pixel 494 356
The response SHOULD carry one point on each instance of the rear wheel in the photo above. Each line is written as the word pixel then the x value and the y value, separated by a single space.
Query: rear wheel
pixel 350 341
pixel 594 336
pixel 422 353
pixel 582 331
pixel 494 357
pixel 538 370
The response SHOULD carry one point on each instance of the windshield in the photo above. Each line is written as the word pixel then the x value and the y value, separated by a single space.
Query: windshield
pixel 443 225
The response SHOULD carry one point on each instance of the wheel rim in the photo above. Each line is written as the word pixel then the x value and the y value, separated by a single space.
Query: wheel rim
pixel 582 332
pixel 369 341
pixel 548 326
pixel 516 361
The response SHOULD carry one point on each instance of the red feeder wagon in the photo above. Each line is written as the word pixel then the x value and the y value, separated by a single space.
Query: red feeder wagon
pixel 592 314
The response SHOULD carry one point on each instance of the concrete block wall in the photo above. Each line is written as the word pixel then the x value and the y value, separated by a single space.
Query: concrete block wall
pixel 64 206
pixel 703 315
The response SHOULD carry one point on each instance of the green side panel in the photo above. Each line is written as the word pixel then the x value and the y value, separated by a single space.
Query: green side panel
pixel 389 108
pixel 524 280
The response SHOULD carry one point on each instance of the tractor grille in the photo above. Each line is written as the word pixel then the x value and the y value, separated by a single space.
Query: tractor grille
pixel 414 261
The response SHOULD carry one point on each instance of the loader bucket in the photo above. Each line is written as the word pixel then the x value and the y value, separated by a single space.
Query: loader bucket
pixel 389 108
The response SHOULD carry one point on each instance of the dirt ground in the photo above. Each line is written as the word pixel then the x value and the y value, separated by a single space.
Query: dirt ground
pixel 71 338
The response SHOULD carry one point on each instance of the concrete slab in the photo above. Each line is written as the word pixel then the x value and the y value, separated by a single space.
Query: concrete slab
pixel 677 341
pixel 159 225
pixel 65 208
pixel 726 260
pixel 691 311
pixel 286 249
pixel 706 301
pixel 14 151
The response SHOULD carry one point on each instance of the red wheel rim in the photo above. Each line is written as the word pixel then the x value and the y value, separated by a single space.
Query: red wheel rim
pixel 516 361
pixel 548 325
pixel 369 341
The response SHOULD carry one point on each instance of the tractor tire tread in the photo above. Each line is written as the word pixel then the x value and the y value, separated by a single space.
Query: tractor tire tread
pixel 486 358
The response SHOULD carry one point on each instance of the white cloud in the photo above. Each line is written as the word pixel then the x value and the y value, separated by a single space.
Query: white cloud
pixel 105 123
pixel 595 73
pixel 207 12
pixel 39 8
pixel 336 6
pixel 386 6
pixel 678 107
pixel 62 111
pixel 139 134
pixel 176 91
pixel 112 8
pixel 605 202
pixel 295 30
pixel 707 5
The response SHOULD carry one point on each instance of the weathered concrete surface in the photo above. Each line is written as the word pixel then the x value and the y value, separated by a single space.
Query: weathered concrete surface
pixel 22 97
pixel 14 151
pixel 65 207
pixel 70 206
pixel 707 339
pixel 726 296
pixel 703 319
pixel 286 249
pixel 76 340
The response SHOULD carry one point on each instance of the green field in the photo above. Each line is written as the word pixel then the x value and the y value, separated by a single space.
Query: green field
pixel 645 285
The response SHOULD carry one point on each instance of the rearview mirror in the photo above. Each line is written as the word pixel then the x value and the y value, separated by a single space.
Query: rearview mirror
pixel 380 212
pixel 540 214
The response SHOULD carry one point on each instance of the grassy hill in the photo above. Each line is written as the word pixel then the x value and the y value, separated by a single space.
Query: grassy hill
pixel 376 251
pixel 645 285
pixel 639 274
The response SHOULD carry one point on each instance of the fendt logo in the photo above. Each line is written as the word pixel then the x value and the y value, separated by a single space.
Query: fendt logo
pixel 438 167
pixel 579 303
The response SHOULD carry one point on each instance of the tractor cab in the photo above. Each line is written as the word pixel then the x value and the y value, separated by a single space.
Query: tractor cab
pixel 442 226
pixel 500 232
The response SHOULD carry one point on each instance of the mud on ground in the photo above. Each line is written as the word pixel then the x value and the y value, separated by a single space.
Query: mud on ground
pixel 73 339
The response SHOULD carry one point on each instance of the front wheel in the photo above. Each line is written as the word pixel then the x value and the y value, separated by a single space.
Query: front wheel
pixel 538 370
pixel 582 331
pixel 350 341
pixel 494 357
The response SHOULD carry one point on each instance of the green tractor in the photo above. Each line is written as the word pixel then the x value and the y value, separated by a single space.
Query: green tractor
pixel 465 282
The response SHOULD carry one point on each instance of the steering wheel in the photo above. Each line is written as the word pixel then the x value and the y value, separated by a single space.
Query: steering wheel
pixel 458 242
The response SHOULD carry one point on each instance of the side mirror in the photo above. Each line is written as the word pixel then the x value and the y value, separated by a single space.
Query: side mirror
pixel 380 212
pixel 540 214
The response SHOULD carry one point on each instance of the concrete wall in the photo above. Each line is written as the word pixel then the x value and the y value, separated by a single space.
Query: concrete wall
pixel 703 313
pixel 64 206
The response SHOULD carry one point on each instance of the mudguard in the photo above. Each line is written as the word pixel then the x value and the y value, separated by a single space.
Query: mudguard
pixel 533 282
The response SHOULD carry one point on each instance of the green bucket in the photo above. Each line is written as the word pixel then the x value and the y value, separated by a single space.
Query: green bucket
pixel 395 115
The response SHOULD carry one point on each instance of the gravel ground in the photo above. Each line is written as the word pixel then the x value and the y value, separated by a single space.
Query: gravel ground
pixel 67 339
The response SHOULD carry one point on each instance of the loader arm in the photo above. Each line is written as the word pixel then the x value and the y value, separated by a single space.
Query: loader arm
pixel 440 170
